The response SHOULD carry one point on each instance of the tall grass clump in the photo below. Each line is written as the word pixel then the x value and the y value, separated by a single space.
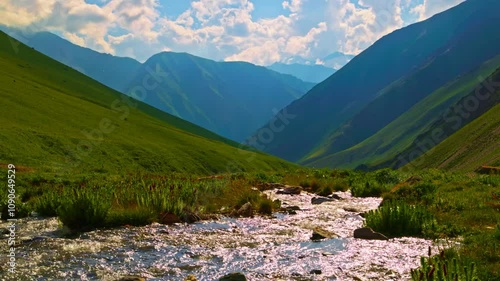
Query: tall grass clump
pixel 442 268
pixel 84 210
pixel 397 219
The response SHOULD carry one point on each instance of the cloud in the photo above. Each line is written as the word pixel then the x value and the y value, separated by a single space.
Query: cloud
pixel 220 29
pixel 430 8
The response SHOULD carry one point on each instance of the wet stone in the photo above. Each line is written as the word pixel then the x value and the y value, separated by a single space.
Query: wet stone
pixel 320 200
pixel 369 234
pixel 290 190
pixel 234 277
pixel 316 272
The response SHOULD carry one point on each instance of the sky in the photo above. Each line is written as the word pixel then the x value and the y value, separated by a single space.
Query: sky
pixel 258 31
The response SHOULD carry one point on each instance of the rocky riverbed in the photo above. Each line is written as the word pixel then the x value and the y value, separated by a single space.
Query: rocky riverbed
pixel 263 248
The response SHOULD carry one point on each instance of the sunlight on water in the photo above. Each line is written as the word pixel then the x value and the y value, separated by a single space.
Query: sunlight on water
pixel 277 248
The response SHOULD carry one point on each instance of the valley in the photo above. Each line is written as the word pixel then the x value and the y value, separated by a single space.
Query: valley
pixel 287 160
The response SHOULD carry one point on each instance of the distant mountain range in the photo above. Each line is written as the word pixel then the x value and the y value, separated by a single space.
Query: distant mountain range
pixel 310 73
pixel 334 60
pixel 365 115
pixel 232 99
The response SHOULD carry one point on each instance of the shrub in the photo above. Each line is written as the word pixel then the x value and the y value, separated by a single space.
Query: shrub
pixel 265 206
pixel 397 219
pixel 369 189
pixel 84 212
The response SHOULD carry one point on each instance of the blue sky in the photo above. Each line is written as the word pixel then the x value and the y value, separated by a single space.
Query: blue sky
pixel 258 31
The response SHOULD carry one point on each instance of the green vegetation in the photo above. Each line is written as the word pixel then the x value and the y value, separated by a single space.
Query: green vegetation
pixel 463 205
pixel 444 268
pixel 472 146
pixel 58 121
pixel 398 219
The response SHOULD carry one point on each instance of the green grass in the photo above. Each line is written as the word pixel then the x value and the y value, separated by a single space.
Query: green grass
pixel 464 205
pixel 474 145
pixel 444 268
pixel 58 121
pixel 398 219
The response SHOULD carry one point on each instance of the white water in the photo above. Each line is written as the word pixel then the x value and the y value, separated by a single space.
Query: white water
pixel 276 248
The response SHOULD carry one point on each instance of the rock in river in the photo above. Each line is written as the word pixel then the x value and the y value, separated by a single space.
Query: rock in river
pixel 319 234
pixel 290 190
pixel 369 234
pixel 320 200
pixel 246 210
pixel 234 277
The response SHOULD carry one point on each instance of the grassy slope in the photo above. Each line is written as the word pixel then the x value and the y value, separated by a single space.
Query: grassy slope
pixel 476 144
pixel 46 106
pixel 402 132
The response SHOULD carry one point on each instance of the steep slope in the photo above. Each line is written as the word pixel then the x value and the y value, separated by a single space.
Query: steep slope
pixel 232 99
pixel 57 120
pixel 418 129
pixel 387 79
pixel 110 70
pixel 473 124
pixel 474 145
pixel 309 73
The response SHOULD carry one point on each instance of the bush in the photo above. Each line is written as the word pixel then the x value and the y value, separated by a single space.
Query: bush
pixel 370 189
pixel 397 219
pixel 265 206
pixel 84 212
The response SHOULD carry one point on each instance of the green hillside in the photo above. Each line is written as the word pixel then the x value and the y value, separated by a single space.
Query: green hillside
pixel 54 119
pixel 383 148
pixel 475 145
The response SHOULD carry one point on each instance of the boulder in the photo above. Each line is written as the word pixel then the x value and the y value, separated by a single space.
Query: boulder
pixel 245 211
pixel 169 219
pixel 316 272
pixel 320 200
pixel 290 190
pixel 234 277
pixel 320 234
pixel 369 234
pixel 335 196
pixel 269 186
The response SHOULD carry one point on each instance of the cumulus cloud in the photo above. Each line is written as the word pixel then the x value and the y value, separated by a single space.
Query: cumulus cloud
pixel 220 29
pixel 430 8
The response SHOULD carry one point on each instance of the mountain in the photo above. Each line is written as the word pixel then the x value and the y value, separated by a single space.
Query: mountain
pixel 59 121
pixel 232 99
pixel 384 82
pixel 110 70
pixel 310 73
pixel 425 125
